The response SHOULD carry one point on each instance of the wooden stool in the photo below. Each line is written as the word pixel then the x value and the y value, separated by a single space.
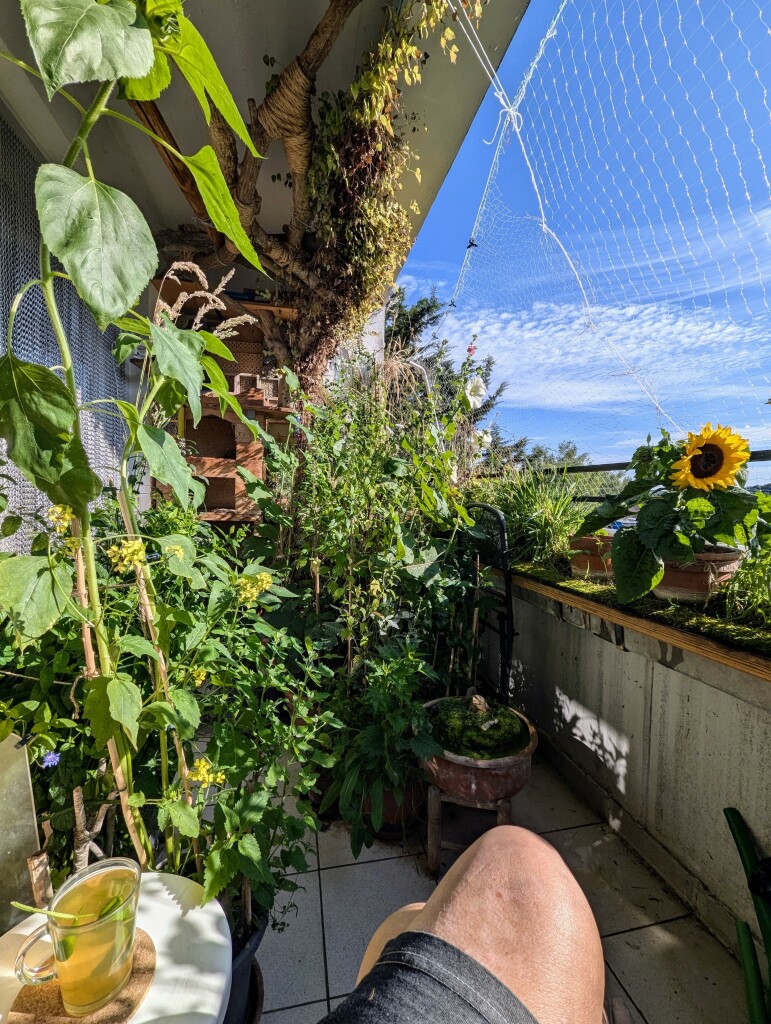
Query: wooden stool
pixel 436 797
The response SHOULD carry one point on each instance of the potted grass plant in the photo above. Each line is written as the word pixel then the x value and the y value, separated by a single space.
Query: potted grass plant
pixel 693 520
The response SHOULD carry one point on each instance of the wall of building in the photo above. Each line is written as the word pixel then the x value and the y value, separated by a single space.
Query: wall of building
pixel 658 739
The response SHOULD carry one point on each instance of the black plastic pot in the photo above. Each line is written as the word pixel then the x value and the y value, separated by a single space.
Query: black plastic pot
pixel 246 994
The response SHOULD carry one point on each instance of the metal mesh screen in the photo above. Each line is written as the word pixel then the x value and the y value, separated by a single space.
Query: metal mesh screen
pixel 96 373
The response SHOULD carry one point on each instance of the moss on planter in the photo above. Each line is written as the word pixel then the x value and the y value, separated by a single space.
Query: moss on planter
pixel 707 622
pixel 457 726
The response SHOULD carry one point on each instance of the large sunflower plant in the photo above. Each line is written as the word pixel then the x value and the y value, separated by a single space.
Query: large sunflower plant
pixel 685 497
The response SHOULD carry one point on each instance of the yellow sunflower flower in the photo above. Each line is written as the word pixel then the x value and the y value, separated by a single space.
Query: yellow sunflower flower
pixel 712 458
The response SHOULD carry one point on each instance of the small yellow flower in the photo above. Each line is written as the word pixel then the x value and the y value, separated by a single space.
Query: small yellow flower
pixel 203 772
pixel 199 676
pixel 60 516
pixel 712 458
pixel 70 547
pixel 126 555
pixel 174 551
pixel 250 587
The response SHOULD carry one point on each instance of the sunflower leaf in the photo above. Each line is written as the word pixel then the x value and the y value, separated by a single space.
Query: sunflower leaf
pixel 87 41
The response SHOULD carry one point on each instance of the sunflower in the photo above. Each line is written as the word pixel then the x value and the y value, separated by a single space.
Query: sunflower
pixel 712 459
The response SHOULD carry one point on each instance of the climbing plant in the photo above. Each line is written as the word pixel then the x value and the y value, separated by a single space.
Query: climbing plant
pixel 347 154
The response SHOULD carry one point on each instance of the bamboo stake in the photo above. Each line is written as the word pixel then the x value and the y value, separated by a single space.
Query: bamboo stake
pixel 148 619
pixel 92 673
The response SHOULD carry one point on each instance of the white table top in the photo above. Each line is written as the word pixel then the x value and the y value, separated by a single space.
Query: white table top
pixel 192 949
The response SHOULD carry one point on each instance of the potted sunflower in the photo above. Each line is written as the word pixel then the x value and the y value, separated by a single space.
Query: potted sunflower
pixel 693 519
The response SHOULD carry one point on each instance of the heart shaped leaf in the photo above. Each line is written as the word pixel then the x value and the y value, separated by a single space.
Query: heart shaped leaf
pixel 87 41
pixel 100 236
pixel 34 593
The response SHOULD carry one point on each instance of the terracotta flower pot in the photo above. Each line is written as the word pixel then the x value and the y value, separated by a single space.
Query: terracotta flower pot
pixel 398 817
pixel 470 779
pixel 591 557
pixel 694 582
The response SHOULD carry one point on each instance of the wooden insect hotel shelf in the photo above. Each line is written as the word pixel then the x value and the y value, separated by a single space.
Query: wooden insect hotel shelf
pixel 221 444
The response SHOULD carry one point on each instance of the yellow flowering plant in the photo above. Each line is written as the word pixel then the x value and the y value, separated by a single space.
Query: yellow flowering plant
pixel 685 497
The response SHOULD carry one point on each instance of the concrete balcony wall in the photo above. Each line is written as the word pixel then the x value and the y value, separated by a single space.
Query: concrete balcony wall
pixel 658 739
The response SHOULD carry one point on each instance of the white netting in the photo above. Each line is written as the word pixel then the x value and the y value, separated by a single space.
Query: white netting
pixel 621 266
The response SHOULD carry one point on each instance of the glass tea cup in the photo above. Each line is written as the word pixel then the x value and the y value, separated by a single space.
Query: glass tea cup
pixel 91 928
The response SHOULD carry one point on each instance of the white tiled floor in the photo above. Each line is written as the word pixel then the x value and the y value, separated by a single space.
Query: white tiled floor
pixel 659 959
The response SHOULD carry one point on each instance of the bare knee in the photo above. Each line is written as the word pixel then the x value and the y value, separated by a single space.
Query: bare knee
pixel 511 902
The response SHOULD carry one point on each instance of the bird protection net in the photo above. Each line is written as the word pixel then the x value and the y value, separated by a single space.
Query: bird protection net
pixel 620 265
pixel 96 373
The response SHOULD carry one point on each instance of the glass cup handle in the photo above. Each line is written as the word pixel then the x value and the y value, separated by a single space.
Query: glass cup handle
pixel 34 975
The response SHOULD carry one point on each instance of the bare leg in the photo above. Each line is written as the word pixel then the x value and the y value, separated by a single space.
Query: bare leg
pixel 511 903
pixel 398 922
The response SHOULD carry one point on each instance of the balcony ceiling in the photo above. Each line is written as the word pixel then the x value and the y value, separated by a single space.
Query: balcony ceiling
pixel 240 33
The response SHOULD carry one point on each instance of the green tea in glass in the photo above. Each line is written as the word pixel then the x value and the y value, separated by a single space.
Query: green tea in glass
pixel 91 923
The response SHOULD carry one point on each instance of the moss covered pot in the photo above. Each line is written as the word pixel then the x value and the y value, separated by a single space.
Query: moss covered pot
pixel 480 778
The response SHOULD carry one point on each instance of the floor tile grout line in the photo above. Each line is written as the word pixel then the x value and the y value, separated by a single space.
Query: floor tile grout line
pixel 626 992
pixel 323 925
pixel 374 860
pixel 296 1006
pixel 568 828
pixel 641 927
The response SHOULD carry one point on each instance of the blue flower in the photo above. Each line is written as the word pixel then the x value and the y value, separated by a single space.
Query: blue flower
pixel 51 760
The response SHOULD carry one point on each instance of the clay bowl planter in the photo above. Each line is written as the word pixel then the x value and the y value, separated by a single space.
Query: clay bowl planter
pixel 694 582
pixel 397 818
pixel 470 779
pixel 590 558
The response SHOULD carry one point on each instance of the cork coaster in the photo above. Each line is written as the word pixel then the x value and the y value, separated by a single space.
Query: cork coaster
pixel 42 1004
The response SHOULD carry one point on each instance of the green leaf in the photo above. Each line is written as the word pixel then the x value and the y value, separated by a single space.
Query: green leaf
pixel 37 414
pixel 254 865
pixel 137 800
pixel 180 554
pixel 178 355
pixel 34 593
pixel 187 708
pixel 125 701
pixel 222 864
pixel 216 378
pixel 217 347
pixel 251 807
pixel 101 237
pixel 77 484
pixel 192 56
pixel 656 520
pixel 97 710
pixel 151 85
pixel 637 569
pixel 207 172
pixel 10 525
pixel 376 799
pixel 87 41
pixel 348 786
pixel 166 462
pixel 184 818
pixel 220 599
pixel 138 646
pixel 125 344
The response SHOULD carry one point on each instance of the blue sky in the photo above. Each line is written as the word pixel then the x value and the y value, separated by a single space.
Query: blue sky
pixel 647 128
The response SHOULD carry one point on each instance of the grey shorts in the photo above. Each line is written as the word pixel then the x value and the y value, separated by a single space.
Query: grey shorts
pixel 421 979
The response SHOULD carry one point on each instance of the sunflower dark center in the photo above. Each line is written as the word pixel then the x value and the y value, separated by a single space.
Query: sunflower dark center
pixel 707 462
